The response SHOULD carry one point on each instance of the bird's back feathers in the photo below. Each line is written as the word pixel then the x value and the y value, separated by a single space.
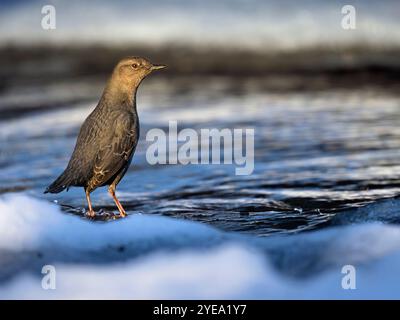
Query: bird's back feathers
pixel 105 144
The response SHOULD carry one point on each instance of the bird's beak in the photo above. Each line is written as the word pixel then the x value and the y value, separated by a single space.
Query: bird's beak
pixel 157 67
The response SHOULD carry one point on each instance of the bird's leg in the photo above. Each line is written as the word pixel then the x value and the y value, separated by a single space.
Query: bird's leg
pixel 90 213
pixel 111 190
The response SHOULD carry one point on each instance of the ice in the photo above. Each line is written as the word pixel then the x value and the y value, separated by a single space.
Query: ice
pixel 30 224
pixel 222 272
pixel 227 272
pixel 386 210
pixel 146 256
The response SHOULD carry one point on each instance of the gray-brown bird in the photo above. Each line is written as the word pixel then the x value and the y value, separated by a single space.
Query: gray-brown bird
pixel 109 135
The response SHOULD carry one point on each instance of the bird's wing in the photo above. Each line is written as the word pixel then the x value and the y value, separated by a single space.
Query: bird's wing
pixel 80 165
pixel 116 150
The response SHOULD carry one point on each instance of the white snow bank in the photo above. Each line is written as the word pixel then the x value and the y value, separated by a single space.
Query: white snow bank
pixel 239 269
pixel 31 224
pixel 225 272
pixel 331 248
pixel 229 272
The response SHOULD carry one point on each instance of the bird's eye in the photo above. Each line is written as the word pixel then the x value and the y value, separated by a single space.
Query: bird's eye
pixel 134 66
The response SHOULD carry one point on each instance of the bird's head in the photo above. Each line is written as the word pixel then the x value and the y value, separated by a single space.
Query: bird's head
pixel 132 70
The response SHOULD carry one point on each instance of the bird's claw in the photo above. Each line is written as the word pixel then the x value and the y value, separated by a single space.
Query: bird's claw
pixel 90 214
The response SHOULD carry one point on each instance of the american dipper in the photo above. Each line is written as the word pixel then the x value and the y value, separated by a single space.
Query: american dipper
pixel 109 135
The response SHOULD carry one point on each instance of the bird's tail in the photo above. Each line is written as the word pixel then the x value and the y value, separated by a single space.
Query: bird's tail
pixel 59 184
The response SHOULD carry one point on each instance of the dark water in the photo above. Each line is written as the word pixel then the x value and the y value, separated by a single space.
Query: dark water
pixel 316 154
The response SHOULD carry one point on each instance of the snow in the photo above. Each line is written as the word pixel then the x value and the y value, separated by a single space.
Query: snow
pixel 31 224
pixel 168 258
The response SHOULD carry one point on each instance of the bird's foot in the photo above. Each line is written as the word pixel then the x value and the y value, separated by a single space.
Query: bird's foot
pixel 90 214
pixel 122 214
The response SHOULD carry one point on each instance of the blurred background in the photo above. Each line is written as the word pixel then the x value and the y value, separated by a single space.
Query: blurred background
pixel 324 103
pixel 283 43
